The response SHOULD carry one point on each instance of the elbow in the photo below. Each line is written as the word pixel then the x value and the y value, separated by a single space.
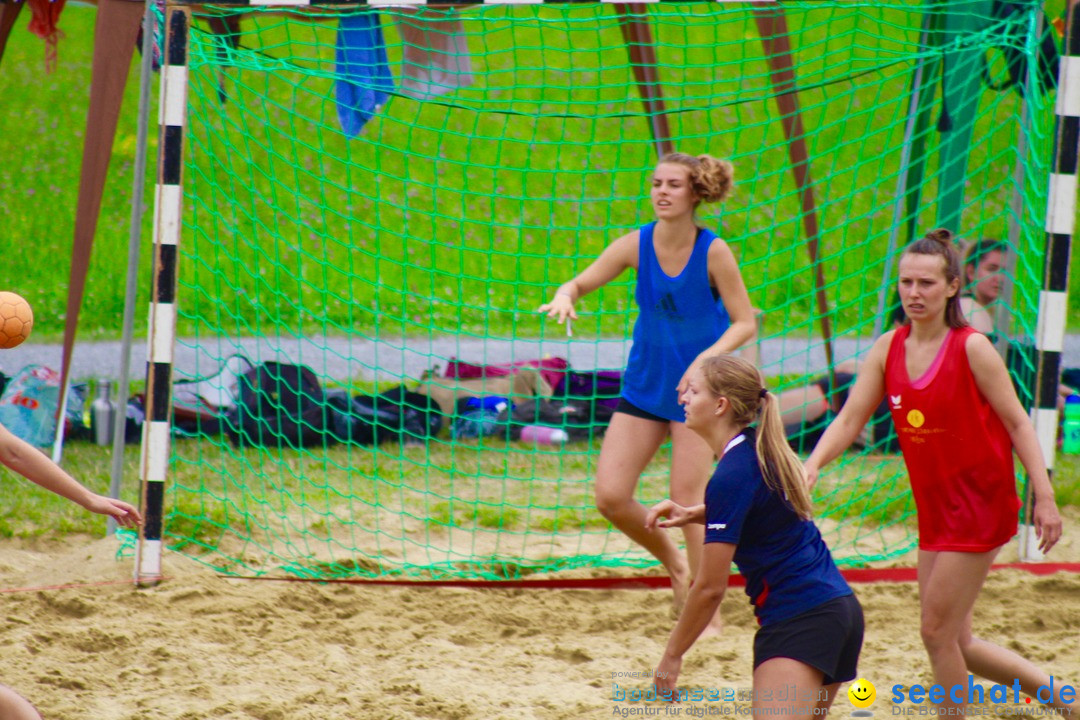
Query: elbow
pixel 10 455
pixel 16 454
pixel 745 332
pixel 750 331
pixel 711 594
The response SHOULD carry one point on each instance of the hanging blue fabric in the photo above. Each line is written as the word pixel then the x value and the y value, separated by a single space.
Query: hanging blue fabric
pixel 363 71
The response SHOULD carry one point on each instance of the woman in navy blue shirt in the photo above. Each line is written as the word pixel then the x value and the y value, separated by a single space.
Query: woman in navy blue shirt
pixel 692 304
pixel 757 513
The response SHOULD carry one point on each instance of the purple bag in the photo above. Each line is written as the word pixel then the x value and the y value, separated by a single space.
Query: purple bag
pixel 603 387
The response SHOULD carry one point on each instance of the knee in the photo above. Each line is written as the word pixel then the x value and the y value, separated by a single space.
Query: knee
pixel 610 502
pixel 936 634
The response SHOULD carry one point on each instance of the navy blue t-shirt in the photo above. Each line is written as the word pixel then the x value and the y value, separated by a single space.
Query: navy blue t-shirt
pixel 787 566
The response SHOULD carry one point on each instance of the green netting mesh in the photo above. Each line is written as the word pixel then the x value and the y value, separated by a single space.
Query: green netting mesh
pixel 461 204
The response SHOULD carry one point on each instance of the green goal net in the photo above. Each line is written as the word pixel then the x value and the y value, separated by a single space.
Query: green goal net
pixel 373 193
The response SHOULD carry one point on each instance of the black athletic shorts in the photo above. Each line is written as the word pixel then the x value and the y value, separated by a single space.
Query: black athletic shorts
pixel 827 637
pixel 629 408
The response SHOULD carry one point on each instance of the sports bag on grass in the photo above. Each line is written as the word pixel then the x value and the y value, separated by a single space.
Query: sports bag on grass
pixel 281 405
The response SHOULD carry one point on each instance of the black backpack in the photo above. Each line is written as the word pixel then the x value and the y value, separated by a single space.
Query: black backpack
pixel 396 414
pixel 281 405
pixel 363 419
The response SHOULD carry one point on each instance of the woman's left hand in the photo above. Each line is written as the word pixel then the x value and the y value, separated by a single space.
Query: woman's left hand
pixel 676 515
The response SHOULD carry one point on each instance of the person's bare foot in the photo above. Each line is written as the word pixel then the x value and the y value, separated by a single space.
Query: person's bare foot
pixel 714 628
pixel 680 586
pixel 682 589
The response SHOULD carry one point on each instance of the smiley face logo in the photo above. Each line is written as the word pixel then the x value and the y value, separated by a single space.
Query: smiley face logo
pixel 915 419
pixel 862 693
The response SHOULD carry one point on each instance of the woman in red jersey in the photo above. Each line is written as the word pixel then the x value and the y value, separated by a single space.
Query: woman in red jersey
pixel 959 421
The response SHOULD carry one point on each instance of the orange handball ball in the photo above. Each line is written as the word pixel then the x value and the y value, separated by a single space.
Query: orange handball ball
pixel 16 319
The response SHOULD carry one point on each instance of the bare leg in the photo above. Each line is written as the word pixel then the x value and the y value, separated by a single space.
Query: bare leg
pixel 789 689
pixel 629 444
pixel 691 465
pixel 825 698
pixel 1003 666
pixel 849 366
pixel 949 583
pixel 15 707
pixel 991 661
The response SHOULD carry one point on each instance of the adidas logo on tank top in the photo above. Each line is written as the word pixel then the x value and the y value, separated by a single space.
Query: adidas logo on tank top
pixel 666 307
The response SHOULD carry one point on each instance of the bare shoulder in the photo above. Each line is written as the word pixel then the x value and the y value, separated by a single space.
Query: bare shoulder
pixel 879 352
pixel 723 267
pixel 884 341
pixel 980 350
pixel 720 251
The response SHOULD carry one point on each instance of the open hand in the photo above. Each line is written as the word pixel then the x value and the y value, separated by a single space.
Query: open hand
pixel 561 307
pixel 126 515
pixel 666 677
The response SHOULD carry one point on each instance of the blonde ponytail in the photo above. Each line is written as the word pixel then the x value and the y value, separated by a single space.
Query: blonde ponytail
pixel 781 466
pixel 740 382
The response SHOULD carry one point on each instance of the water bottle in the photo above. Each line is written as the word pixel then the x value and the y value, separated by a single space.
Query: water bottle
pixel 103 415
pixel 543 435
pixel 1071 426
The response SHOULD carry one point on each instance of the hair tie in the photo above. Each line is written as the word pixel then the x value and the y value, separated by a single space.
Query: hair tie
pixel 763 393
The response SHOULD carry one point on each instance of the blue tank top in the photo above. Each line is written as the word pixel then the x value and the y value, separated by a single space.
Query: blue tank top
pixel 678 317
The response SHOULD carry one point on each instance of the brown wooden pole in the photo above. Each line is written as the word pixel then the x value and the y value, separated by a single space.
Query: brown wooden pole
pixel 642 50
pixel 772 25
pixel 8 13
pixel 115 31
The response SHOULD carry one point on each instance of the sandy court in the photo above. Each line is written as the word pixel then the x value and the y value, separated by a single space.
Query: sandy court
pixel 200 646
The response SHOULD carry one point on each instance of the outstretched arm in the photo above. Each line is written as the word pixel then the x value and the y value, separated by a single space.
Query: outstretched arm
pixel 864 397
pixel 992 379
pixel 676 514
pixel 701 605
pixel 615 258
pixel 32 464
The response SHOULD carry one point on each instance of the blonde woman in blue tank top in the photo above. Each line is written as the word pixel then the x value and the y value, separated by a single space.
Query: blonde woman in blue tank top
pixel 692 304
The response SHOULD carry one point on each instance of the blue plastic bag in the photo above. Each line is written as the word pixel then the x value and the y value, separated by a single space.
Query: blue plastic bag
pixel 28 404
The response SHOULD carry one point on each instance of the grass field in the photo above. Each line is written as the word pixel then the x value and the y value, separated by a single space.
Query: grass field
pixel 428 222
pixel 389 501
pixel 432 497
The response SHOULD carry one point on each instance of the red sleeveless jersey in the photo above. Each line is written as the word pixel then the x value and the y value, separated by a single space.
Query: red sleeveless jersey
pixel 957 451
